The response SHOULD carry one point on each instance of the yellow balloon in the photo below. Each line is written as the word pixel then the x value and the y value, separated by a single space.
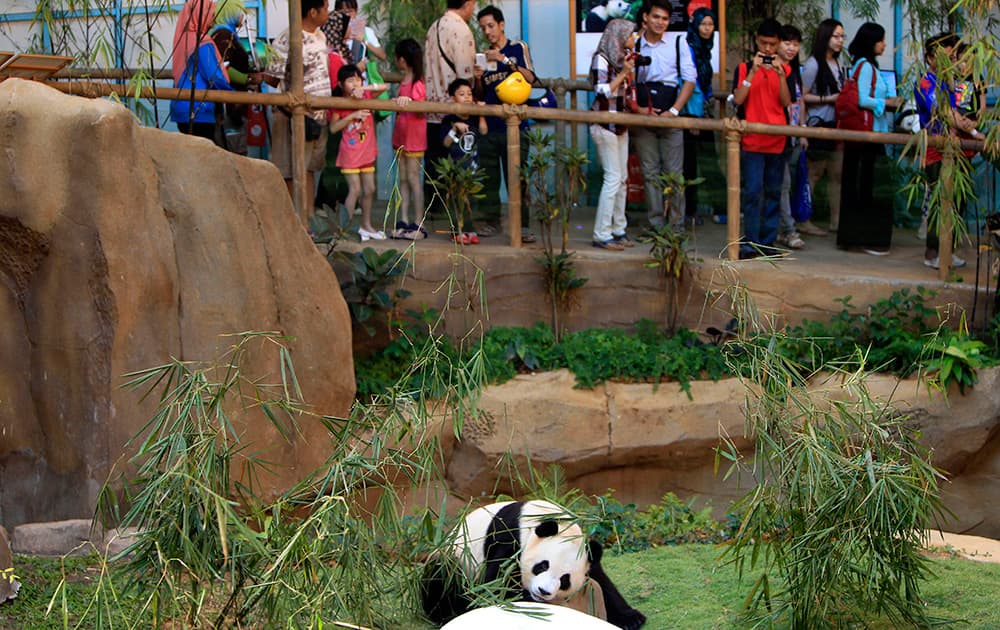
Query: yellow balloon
pixel 514 90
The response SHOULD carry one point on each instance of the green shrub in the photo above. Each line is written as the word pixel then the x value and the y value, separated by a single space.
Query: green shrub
pixel 623 528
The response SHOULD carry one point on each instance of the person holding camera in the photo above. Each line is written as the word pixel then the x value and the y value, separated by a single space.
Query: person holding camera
pixel 665 78
pixel 610 71
pixel 760 86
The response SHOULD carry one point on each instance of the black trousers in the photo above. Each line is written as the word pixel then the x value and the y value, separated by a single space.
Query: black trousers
pixel 865 217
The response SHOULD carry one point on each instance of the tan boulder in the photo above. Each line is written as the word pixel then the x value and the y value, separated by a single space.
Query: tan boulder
pixel 121 247
pixel 644 441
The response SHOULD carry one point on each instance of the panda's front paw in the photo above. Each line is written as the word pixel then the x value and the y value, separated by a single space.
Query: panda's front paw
pixel 631 620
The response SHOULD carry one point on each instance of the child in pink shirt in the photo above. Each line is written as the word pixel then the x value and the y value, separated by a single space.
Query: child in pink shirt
pixel 409 139
pixel 358 148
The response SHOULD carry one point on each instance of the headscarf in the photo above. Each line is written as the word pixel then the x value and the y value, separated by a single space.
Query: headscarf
pixel 702 48
pixel 191 31
pixel 228 13
pixel 335 29
pixel 612 44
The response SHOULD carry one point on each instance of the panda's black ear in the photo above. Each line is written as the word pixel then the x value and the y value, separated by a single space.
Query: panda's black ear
pixel 595 551
pixel 546 529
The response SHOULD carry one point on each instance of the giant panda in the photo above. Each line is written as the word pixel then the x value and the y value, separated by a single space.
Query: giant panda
pixel 527 616
pixel 553 561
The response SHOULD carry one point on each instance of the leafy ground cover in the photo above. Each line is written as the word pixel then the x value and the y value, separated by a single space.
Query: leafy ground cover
pixel 683 586
pixel 899 334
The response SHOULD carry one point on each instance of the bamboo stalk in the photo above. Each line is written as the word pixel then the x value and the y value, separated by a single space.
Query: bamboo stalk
pixel 302 199
pixel 733 194
pixel 514 181
pixel 93 90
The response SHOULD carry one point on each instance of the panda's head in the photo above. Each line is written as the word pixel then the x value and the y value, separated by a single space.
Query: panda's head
pixel 618 8
pixel 553 561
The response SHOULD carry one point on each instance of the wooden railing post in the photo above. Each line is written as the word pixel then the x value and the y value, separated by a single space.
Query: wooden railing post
pixel 946 217
pixel 301 198
pixel 513 119
pixel 733 135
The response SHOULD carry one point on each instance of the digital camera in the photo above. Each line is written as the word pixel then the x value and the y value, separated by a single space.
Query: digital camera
pixel 640 60
pixel 767 59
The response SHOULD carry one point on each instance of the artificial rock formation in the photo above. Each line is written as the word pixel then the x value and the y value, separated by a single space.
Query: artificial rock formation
pixel 644 441
pixel 121 247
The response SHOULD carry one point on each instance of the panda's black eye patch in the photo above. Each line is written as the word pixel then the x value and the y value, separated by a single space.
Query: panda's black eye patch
pixel 564 582
pixel 540 567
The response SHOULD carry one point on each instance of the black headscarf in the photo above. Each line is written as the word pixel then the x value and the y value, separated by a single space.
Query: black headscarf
pixel 702 49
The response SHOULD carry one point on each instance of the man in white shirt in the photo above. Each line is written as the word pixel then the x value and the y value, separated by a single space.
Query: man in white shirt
pixel 663 88
pixel 449 54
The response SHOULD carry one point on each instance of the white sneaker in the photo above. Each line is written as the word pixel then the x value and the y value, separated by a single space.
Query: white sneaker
pixel 957 262
pixel 377 235
pixel 792 240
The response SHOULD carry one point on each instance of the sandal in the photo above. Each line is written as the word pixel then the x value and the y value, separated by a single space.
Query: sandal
pixel 486 230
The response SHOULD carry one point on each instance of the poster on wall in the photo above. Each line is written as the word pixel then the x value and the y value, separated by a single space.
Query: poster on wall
pixel 589 17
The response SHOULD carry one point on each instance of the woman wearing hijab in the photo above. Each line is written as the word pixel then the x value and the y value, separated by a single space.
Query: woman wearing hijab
pixel 193 22
pixel 229 16
pixel 610 70
pixel 203 70
pixel 700 39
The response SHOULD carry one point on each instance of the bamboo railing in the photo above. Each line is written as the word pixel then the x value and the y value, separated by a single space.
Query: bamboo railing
pixel 732 131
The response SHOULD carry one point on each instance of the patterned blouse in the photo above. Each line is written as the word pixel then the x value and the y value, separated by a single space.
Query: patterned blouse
pixel 601 75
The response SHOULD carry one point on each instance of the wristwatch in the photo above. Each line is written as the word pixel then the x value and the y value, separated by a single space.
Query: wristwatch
pixel 746 83
pixel 673 110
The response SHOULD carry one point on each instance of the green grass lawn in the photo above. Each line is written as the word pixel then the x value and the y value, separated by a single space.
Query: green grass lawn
pixel 675 587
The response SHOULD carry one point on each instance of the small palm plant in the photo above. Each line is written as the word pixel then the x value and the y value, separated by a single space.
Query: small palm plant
pixel 669 251
pixel 460 184
pixel 547 206
pixel 571 185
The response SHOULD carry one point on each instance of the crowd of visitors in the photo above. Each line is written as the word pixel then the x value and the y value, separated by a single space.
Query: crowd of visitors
pixel 637 67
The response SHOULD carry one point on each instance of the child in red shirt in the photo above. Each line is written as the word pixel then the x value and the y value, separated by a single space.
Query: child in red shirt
pixel 409 139
pixel 761 88
pixel 358 148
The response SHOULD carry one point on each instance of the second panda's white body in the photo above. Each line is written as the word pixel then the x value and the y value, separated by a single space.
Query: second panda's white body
pixel 565 552
pixel 527 616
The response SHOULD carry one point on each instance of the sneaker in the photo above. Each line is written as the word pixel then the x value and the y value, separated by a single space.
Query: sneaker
pixel 623 239
pixel 808 227
pixel 527 236
pixel 417 232
pixel 377 235
pixel 935 263
pixel 401 230
pixel 487 230
pixel 466 238
pixel 792 240
pixel 612 245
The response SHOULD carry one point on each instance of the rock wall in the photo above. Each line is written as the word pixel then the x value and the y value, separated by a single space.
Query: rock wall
pixel 645 441
pixel 121 247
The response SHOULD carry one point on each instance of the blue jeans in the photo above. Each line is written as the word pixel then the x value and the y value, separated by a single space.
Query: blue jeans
pixel 762 175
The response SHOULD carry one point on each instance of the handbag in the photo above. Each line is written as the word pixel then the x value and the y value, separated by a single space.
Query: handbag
pixel 801 202
pixel 313 129
pixel 850 114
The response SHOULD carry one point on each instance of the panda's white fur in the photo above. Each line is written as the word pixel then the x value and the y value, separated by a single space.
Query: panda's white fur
pixel 553 561
pixel 564 554
pixel 527 616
